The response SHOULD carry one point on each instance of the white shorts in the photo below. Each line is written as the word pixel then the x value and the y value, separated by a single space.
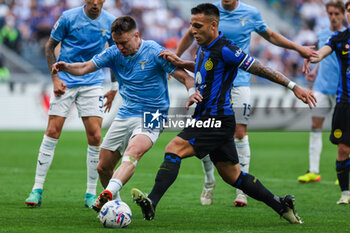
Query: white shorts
pixel 122 130
pixel 88 100
pixel 241 104
pixel 325 105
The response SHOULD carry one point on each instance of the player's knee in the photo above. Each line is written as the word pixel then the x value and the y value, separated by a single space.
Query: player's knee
pixel 94 139
pixel 240 134
pixel 53 132
pixel 316 125
pixel 343 151
pixel 104 168
pixel 134 150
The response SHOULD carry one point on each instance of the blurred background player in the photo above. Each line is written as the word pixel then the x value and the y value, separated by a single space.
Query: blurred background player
pixel 131 60
pixel 340 133
pixel 237 21
pixel 82 32
pixel 326 76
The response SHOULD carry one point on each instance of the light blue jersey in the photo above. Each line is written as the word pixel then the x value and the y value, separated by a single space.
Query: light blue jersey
pixel 81 38
pixel 328 72
pixel 142 78
pixel 237 25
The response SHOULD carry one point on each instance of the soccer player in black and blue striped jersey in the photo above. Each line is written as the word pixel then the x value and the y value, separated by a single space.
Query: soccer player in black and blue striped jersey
pixel 218 60
pixel 340 134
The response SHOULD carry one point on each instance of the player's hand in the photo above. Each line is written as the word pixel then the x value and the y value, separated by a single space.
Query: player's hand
pixel 306 66
pixel 311 76
pixel 58 66
pixel 307 51
pixel 172 57
pixel 195 98
pixel 59 87
pixel 307 96
pixel 110 97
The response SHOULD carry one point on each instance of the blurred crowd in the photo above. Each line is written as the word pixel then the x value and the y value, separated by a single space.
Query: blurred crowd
pixel 25 26
pixel 310 16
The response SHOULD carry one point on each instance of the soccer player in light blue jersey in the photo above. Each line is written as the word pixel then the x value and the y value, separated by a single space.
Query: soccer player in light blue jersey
pixel 327 75
pixel 82 33
pixel 142 79
pixel 237 21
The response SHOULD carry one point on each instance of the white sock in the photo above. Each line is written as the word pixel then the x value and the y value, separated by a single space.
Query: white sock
pixel 117 197
pixel 243 150
pixel 208 169
pixel 114 186
pixel 315 148
pixel 45 157
pixel 91 165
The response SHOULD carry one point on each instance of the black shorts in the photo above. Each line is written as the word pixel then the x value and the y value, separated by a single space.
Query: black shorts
pixel 341 124
pixel 218 142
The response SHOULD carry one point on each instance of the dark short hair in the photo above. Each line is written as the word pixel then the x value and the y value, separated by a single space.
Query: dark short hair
pixel 347 4
pixel 207 9
pixel 123 24
pixel 337 4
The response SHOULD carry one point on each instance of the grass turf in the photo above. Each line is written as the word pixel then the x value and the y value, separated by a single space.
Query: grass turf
pixel 277 159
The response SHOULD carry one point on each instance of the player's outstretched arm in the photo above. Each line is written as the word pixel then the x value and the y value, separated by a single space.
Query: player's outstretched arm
pixel 320 54
pixel 78 68
pixel 173 58
pixel 265 72
pixel 281 41
pixel 185 43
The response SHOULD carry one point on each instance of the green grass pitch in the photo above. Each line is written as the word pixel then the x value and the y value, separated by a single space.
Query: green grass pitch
pixel 277 159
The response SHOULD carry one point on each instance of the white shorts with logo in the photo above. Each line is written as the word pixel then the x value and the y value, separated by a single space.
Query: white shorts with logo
pixel 122 130
pixel 87 99
pixel 241 104
pixel 325 104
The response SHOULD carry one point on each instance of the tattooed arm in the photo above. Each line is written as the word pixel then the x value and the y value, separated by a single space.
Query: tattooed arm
pixel 265 72
pixel 59 87
pixel 274 76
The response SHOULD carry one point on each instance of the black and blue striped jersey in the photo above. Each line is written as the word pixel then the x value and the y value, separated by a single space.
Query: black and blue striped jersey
pixel 340 43
pixel 215 70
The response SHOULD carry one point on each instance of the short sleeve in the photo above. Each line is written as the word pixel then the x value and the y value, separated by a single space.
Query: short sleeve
pixel 166 65
pixel 260 25
pixel 331 42
pixel 60 29
pixel 233 55
pixel 104 59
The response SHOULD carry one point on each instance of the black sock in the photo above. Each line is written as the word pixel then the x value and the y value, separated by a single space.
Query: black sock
pixel 166 176
pixel 253 188
pixel 343 168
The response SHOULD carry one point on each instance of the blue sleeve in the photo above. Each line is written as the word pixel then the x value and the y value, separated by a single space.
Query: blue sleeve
pixel 233 55
pixel 166 65
pixel 331 41
pixel 60 29
pixel 260 25
pixel 104 59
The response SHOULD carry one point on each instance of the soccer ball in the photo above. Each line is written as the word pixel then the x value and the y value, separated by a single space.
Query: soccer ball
pixel 115 214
